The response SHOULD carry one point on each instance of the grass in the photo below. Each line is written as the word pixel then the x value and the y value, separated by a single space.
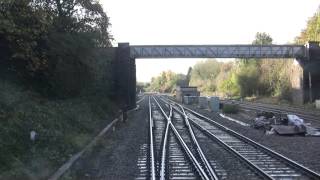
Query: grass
pixel 63 127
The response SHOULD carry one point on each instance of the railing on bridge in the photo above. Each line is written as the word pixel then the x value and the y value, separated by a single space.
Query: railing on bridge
pixel 219 51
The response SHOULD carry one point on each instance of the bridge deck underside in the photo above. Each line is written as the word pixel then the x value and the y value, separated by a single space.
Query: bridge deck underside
pixel 219 51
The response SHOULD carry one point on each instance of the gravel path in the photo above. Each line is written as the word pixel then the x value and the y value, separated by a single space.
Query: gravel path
pixel 115 157
pixel 304 150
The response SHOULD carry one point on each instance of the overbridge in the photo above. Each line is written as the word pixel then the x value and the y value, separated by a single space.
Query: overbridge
pixel 219 51
pixel 306 86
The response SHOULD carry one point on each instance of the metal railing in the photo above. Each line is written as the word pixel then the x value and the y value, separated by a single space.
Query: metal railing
pixel 218 51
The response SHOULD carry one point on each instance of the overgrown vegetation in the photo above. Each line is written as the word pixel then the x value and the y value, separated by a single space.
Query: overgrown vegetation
pixel 63 127
pixel 55 79
pixel 47 41
pixel 230 108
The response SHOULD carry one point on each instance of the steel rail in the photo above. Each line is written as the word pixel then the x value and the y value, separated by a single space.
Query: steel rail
pixel 286 160
pixel 259 107
pixel 211 172
pixel 256 168
pixel 140 99
pixel 153 173
pixel 191 156
pixel 163 156
pixel 164 146
pixel 201 172
pixel 289 108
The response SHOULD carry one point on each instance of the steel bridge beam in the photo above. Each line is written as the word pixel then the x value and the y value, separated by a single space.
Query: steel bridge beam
pixel 219 51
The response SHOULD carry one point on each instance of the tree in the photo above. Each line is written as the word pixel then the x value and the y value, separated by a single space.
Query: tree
pixel 262 39
pixel 23 30
pixel 188 76
pixel 229 86
pixel 249 70
pixel 312 31
pixel 43 38
pixel 166 82
pixel 204 75
pixel 247 77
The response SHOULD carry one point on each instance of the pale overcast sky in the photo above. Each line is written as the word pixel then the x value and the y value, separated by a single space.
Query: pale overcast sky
pixel 148 22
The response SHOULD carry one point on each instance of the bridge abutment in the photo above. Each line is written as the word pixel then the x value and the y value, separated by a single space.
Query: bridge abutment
pixel 305 77
pixel 312 72
pixel 125 73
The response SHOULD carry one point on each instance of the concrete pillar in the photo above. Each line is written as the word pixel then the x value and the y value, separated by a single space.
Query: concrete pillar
pixel 297 83
pixel 312 72
pixel 306 76
pixel 125 75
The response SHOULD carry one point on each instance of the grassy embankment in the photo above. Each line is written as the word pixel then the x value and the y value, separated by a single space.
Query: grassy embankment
pixel 63 126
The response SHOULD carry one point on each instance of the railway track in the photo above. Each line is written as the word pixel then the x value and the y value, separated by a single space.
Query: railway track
pixel 186 145
pixel 303 113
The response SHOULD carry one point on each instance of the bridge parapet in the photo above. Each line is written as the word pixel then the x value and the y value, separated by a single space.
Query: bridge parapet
pixel 220 51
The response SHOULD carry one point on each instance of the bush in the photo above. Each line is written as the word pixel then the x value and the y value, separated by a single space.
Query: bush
pixel 230 108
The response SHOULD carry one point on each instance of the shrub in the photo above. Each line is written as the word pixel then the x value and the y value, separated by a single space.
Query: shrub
pixel 230 108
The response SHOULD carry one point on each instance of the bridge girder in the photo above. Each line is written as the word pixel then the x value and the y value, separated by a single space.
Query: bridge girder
pixel 219 51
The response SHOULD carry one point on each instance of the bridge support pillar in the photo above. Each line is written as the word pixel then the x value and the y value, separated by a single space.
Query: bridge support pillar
pixel 306 76
pixel 125 75
pixel 312 72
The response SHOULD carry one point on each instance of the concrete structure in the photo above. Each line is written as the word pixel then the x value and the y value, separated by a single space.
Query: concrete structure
pixel 214 103
pixel 181 92
pixel 125 77
pixel 306 82
pixel 190 99
pixel 203 102
pixel 318 104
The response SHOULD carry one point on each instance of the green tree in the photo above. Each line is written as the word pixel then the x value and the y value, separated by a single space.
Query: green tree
pixel 312 31
pixel 247 77
pixel 204 75
pixel 230 85
pixel 249 70
pixel 262 38
pixel 43 38
pixel 166 82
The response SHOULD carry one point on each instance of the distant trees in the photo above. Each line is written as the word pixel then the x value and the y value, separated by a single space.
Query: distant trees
pixel 204 75
pixel 244 77
pixel 262 39
pixel 166 82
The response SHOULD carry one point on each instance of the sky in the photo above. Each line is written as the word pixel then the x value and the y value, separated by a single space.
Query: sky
pixel 167 22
